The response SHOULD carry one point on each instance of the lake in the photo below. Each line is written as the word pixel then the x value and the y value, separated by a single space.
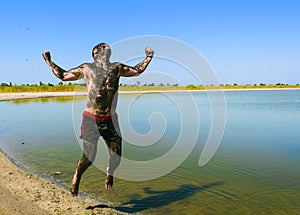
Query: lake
pixel 255 169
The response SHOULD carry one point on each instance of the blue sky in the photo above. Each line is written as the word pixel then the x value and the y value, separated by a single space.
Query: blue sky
pixel 244 41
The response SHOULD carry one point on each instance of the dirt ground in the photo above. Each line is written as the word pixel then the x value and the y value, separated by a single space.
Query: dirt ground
pixel 26 193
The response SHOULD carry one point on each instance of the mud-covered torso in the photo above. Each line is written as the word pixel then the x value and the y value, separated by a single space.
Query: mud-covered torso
pixel 102 83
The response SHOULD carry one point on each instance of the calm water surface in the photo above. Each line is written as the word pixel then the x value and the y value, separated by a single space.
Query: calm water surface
pixel 255 170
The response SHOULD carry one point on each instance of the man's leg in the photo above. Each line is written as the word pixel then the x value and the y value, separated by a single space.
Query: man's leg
pixel 88 157
pixel 115 152
pixel 110 132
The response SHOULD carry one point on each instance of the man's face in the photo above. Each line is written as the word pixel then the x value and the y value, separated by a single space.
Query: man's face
pixel 105 46
pixel 100 47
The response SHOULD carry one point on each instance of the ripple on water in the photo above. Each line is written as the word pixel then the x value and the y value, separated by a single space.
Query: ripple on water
pixel 283 201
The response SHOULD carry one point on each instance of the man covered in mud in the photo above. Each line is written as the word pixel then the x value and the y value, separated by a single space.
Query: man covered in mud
pixel 99 117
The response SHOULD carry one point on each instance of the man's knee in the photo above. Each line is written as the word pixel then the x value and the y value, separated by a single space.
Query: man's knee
pixel 89 150
pixel 84 161
pixel 116 148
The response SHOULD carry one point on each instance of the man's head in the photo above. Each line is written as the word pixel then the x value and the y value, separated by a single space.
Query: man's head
pixel 101 49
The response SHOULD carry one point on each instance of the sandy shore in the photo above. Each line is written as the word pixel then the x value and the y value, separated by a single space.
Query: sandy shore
pixel 26 193
pixel 14 96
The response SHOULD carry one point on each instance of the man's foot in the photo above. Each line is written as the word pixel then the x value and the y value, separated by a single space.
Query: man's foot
pixel 109 182
pixel 74 187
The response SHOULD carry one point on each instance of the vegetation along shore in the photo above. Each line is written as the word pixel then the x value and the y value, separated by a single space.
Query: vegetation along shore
pixel 69 87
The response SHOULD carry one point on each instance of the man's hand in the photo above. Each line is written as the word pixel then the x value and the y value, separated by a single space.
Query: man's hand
pixel 47 56
pixel 149 52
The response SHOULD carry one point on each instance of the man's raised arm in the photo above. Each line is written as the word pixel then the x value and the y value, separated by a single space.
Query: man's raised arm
pixel 128 71
pixel 70 75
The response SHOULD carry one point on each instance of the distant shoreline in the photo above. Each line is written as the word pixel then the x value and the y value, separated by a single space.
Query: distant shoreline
pixel 31 95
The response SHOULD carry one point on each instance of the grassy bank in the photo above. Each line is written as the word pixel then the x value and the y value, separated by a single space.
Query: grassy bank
pixel 9 88
pixel 69 87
